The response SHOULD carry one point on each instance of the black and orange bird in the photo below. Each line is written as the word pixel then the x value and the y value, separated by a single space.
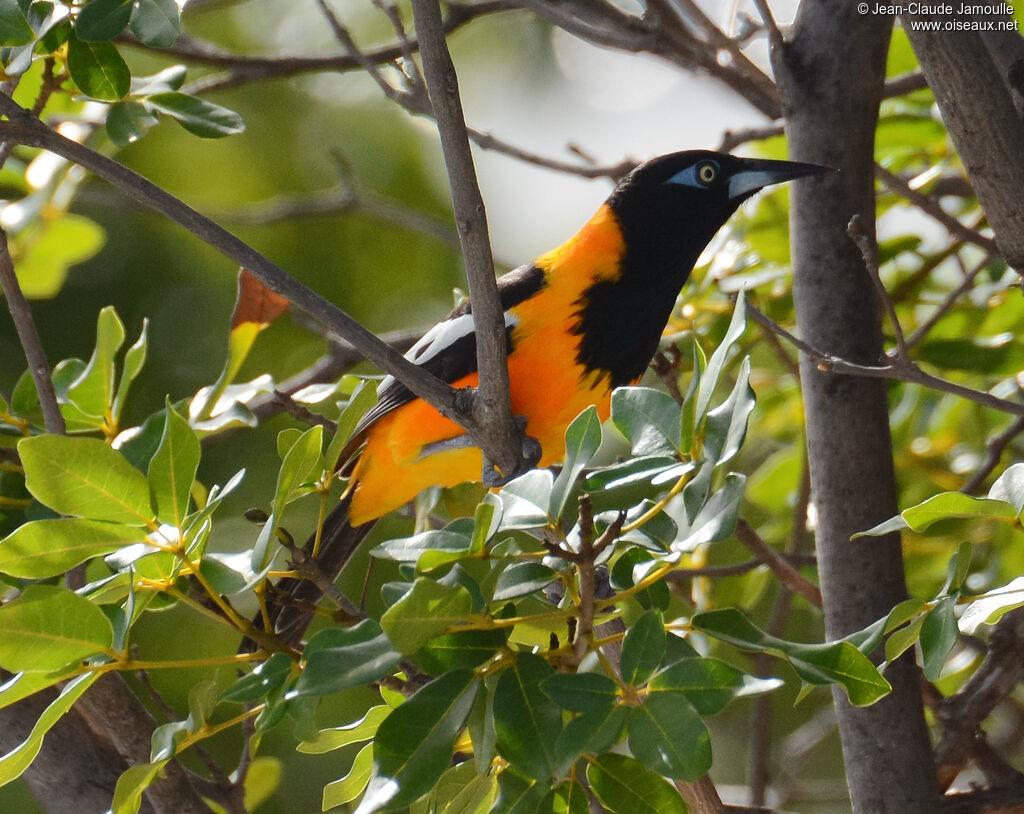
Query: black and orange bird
pixel 580 321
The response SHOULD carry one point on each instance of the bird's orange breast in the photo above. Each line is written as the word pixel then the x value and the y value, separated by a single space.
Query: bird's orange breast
pixel 548 385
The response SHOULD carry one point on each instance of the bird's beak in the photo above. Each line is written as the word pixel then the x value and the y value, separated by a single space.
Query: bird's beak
pixel 757 173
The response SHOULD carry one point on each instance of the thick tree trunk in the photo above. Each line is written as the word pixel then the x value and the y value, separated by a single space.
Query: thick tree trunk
pixel 983 122
pixel 831 76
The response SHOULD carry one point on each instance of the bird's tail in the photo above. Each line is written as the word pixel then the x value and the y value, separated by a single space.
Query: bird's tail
pixel 290 607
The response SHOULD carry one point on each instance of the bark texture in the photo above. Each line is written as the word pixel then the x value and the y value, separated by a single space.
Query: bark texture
pixel 832 78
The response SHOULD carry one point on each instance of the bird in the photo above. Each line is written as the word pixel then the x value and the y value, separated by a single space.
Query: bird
pixel 580 321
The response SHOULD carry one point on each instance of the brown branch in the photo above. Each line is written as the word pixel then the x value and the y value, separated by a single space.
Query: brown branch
pixel 900 369
pixel 508 452
pixel 932 208
pixel 960 716
pixel 869 252
pixel 787 574
pixel 454 404
pixel 950 300
pixel 31 344
pixel 994 453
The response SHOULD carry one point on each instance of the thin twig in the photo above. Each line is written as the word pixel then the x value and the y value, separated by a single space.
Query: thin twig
pixel 902 370
pixel 31 344
pixel 932 208
pixel 951 299
pixel 869 253
pixel 790 577
pixel 994 453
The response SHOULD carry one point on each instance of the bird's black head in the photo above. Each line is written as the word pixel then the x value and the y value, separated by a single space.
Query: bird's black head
pixel 670 207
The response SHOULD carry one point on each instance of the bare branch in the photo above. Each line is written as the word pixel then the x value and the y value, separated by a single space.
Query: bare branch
pixel 950 300
pixel 962 714
pixel 25 129
pixel 789 576
pixel 901 369
pixel 869 251
pixel 506 450
pixel 995 448
pixel 30 341
pixel 931 207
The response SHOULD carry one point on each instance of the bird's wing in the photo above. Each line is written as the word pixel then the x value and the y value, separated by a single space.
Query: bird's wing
pixel 448 349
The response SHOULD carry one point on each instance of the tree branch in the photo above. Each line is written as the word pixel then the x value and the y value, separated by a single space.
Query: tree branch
pixel 507 452
pixel 453 404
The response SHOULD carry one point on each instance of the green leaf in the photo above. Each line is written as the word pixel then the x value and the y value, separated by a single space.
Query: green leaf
pixel 582 438
pixel 199 117
pixel 716 364
pixel 642 648
pixel 581 692
pixel 263 680
pixel 525 500
pixel 128 121
pixel 832 663
pixel 20 758
pixel 93 390
pixel 463 649
pixel 414 744
pixel 98 69
pixel 410 549
pixel 955 504
pixel 460 790
pixel 347 788
pixel 47 628
pixel 46 548
pixel 14 28
pixel 726 425
pixel 526 721
pixel 134 359
pixel 648 418
pixel 298 467
pixel 689 420
pixel 592 732
pixel 486 522
pixel 656 596
pixel 709 684
pixel 939 633
pixel 103 20
pixel 156 23
pixel 172 469
pixel 716 520
pixel 362 399
pixel 903 639
pixel 990 607
pixel 667 735
pixel 567 798
pixel 517 794
pixel 327 740
pixel 426 610
pixel 337 659
pixel 626 786
pixel 84 477
pixel 130 786
pixel 522 578
pixel 893 524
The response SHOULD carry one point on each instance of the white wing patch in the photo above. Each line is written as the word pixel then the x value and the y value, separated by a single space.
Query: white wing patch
pixel 441 337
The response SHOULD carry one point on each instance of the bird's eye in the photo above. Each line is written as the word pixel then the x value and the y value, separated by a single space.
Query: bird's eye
pixel 706 173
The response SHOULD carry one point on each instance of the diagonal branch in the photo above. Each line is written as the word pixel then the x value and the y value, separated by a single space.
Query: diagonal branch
pixel 457 405
pixel 30 341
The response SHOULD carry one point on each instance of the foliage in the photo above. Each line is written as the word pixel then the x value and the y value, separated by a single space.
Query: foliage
pixel 492 620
